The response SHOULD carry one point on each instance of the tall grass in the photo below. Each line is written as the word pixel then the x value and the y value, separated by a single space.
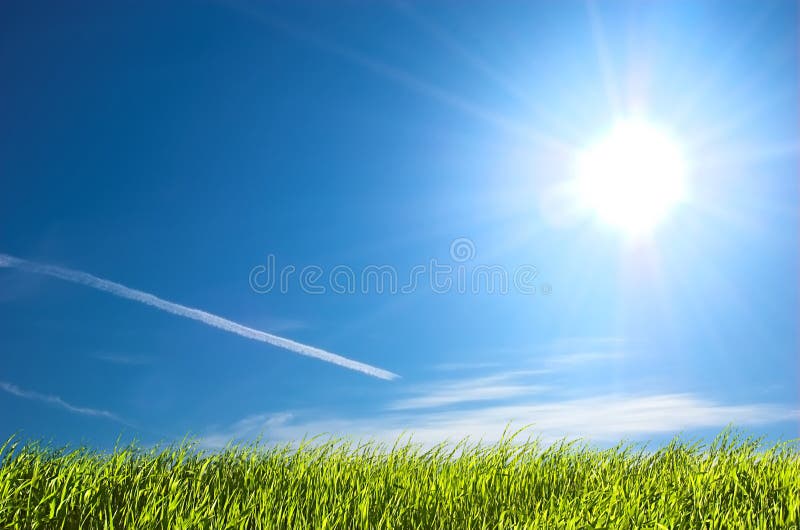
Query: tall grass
pixel 733 482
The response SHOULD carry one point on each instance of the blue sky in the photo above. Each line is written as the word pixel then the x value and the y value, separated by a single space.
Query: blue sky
pixel 188 150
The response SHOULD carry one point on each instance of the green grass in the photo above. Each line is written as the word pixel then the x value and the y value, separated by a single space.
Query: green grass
pixel 733 482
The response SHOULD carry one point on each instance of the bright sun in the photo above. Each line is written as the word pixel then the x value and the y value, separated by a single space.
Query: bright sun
pixel 633 177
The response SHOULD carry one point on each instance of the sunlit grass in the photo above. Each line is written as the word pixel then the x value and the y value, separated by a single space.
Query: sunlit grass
pixel 732 482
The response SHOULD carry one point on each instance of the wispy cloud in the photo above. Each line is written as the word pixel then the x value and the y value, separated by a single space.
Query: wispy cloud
pixel 247 428
pixel 57 402
pixel 602 418
pixel 572 343
pixel 486 405
pixel 455 367
pixel 129 360
pixel 488 388
pixel 209 319
pixel 566 353
pixel 565 360
pixel 558 354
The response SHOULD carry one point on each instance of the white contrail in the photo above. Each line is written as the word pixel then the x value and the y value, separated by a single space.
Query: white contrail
pixel 57 401
pixel 120 290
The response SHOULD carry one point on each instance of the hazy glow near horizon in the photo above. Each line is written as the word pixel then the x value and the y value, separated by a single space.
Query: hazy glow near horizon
pixel 633 177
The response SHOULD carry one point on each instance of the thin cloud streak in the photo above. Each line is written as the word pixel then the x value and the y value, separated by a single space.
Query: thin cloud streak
pixel 582 358
pixel 57 402
pixel 463 394
pixel 453 367
pixel 130 360
pixel 488 388
pixel 88 280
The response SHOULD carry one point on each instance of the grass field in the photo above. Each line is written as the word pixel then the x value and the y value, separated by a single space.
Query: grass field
pixel 732 482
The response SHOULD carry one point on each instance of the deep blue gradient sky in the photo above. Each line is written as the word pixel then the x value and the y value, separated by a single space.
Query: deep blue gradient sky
pixel 173 147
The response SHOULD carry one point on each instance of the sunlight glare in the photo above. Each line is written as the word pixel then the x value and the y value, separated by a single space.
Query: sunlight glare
pixel 632 178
